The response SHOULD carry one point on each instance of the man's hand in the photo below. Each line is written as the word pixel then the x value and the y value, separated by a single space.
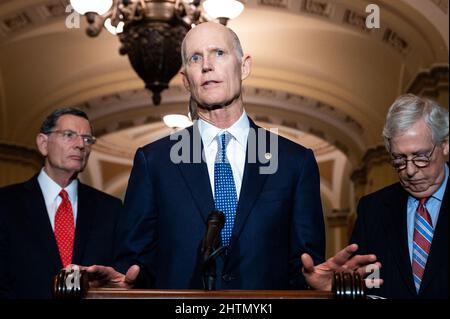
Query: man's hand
pixel 320 277
pixel 108 277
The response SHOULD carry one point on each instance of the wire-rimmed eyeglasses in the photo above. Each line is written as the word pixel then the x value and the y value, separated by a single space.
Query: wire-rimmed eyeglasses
pixel 70 136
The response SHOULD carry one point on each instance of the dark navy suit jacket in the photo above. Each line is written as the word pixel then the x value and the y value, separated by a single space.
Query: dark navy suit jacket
pixel 279 216
pixel 381 229
pixel 29 257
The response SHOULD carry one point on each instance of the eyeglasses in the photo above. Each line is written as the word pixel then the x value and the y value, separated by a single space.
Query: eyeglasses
pixel 419 161
pixel 70 136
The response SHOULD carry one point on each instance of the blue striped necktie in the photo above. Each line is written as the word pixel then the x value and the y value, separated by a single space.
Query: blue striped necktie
pixel 225 195
pixel 423 236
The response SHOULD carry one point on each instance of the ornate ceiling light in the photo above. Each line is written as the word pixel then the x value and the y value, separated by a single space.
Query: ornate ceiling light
pixel 151 31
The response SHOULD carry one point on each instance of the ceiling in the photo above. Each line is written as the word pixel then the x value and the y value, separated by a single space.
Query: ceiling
pixel 318 75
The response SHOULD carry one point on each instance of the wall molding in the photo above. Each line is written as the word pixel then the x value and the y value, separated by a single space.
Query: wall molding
pixel 430 82
pixel 20 155
pixel 373 157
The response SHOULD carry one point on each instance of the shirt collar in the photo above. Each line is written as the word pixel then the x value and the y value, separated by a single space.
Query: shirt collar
pixel 239 130
pixel 439 194
pixel 52 189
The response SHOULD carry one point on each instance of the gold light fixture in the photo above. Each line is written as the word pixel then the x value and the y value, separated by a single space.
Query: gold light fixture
pixel 151 31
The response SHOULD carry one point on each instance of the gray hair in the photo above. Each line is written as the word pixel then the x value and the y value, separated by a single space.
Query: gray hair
pixel 236 44
pixel 407 109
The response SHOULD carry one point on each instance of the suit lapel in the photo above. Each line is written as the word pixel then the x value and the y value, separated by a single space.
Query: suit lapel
pixel 39 221
pixel 87 208
pixel 196 176
pixel 395 214
pixel 439 244
pixel 252 182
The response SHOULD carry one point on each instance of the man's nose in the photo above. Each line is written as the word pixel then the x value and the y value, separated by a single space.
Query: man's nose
pixel 208 64
pixel 79 142
pixel 411 168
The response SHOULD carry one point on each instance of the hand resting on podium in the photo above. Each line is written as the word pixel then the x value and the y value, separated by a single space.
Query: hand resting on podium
pixel 108 277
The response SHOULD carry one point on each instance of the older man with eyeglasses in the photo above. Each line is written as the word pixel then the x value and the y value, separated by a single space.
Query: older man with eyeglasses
pixel 53 220
pixel 406 224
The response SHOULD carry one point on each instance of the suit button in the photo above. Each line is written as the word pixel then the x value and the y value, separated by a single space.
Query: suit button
pixel 227 277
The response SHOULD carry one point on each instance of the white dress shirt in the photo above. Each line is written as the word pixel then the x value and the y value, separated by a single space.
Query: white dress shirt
pixel 50 190
pixel 236 148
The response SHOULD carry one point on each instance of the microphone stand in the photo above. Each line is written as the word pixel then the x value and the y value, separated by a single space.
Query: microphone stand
pixel 209 269
pixel 211 248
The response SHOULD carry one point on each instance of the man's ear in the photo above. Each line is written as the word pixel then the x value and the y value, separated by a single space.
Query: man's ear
pixel 42 143
pixel 246 66
pixel 185 80
pixel 445 147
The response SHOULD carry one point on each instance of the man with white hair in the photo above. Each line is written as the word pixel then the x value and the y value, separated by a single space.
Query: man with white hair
pixel 406 224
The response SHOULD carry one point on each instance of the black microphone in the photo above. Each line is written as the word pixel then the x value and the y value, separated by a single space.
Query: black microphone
pixel 214 225
pixel 210 248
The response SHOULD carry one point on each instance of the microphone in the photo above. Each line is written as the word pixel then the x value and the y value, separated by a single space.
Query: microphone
pixel 210 247
pixel 214 225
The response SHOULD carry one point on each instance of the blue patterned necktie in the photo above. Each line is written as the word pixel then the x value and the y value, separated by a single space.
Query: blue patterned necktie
pixel 423 236
pixel 225 196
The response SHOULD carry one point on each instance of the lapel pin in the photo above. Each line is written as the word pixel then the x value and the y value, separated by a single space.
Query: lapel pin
pixel 268 156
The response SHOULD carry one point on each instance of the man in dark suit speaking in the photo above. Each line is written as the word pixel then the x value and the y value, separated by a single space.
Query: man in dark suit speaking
pixel 406 224
pixel 54 220
pixel 266 186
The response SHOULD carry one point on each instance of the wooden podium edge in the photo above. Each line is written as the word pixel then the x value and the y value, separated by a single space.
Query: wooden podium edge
pixel 71 285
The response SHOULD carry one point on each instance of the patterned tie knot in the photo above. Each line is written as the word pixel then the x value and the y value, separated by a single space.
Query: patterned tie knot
pixel 222 141
pixel 63 195
pixel 422 210
pixel 422 201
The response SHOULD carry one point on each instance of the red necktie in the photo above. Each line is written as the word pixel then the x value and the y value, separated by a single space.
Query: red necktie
pixel 423 236
pixel 65 229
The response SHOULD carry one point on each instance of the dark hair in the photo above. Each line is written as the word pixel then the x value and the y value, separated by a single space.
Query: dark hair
pixel 50 122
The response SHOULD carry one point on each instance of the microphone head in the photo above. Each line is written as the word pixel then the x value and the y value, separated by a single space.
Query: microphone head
pixel 216 218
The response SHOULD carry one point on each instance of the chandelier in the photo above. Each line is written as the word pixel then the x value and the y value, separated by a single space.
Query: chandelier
pixel 151 31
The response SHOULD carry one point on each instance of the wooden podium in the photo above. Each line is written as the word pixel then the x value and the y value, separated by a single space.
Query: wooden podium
pixel 344 286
